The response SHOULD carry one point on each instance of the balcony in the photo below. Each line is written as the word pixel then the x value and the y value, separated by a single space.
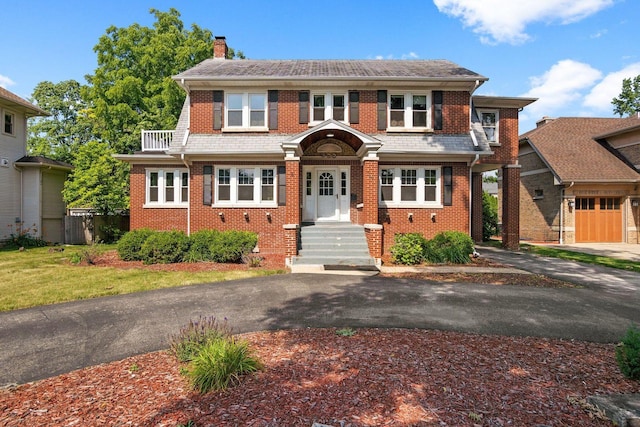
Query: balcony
pixel 156 140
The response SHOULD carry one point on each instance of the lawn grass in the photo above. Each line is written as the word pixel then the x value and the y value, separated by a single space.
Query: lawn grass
pixel 37 276
pixel 621 264
pixel 548 251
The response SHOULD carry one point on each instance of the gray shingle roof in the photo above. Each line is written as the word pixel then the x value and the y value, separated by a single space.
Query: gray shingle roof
pixel 28 107
pixel 329 69
pixel 231 144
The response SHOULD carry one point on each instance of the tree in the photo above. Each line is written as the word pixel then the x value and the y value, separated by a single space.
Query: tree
pixel 58 136
pixel 132 88
pixel 489 216
pixel 628 102
pixel 98 181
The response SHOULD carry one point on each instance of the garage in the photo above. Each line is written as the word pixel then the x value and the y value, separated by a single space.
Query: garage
pixel 598 219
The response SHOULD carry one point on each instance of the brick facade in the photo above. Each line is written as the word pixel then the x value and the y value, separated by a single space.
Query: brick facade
pixel 278 227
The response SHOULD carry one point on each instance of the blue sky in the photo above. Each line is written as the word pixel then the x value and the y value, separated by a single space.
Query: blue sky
pixel 571 54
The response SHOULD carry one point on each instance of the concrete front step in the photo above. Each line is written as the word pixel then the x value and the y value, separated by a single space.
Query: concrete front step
pixel 333 244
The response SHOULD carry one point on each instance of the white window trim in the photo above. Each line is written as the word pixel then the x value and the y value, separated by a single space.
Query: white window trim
pixel 328 106
pixel 420 184
pixel 257 187
pixel 246 117
pixel 408 112
pixel 177 189
pixel 497 131
pixel 13 122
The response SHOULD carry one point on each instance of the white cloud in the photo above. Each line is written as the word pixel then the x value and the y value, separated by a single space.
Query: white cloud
pixel 562 86
pixel 6 81
pixel 505 21
pixel 600 96
pixel 410 55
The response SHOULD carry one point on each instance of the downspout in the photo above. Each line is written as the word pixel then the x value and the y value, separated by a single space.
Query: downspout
pixel 189 198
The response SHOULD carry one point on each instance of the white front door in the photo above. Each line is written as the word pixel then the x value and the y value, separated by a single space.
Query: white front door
pixel 328 194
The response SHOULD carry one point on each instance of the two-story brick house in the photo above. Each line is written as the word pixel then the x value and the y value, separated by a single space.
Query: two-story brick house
pixel 274 145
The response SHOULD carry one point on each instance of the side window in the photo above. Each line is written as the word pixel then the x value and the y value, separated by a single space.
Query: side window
pixel 8 123
pixel 490 120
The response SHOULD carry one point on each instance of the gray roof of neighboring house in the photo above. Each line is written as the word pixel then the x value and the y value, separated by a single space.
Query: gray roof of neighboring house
pixel 22 104
pixel 42 161
pixel 414 70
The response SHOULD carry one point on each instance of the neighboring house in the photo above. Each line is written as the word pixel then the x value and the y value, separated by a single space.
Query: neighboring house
pixel 30 186
pixel 580 180
pixel 275 145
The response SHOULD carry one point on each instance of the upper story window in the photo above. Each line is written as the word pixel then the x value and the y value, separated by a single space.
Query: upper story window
pixel 167 187
pixel 8 123
pixel 490 120
pixel 410 186
pixel 328 106
pixel 246 111
pixel 409 111
pixel 245 186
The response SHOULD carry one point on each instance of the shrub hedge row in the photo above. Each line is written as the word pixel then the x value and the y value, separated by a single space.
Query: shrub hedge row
pixel 446 247
pixel 165 247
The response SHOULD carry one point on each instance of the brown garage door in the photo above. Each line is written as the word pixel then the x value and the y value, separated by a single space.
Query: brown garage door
pixel 598 219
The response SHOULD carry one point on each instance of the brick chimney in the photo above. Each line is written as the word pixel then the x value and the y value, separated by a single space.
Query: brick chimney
pixel 220 48
pixel 544 120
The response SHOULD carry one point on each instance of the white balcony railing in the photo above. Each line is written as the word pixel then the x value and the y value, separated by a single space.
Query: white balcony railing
pixel 156 140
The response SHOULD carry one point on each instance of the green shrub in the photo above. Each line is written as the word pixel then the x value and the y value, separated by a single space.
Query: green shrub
pixel 230 246
pixel 130 244
pixel 449 247
pixel 489 216
pixel 200 244
pixel 408 248
pixel 628 354
pixel 165 247
pixel 24 237
pixel 192 337
pixel 220 363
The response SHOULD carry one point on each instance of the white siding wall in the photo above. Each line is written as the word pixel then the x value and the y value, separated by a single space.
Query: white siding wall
pixel 32 194
pixel 12 147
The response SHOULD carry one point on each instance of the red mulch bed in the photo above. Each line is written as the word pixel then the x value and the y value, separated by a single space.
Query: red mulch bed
pixel 268 262
pixel 374 378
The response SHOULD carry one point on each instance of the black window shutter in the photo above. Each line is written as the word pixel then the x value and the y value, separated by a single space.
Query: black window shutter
pixel 207 175
pixel 447 173
pixel 354 107
pixel 382 110
pixel 218 96
pixel 282 185
pixel 437 109
pixel 303 102
pixel 273 109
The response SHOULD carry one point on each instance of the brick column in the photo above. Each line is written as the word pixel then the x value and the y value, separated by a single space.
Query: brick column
pixel 476 207
pixel 511 207
pixel 292 208
pixel 370 191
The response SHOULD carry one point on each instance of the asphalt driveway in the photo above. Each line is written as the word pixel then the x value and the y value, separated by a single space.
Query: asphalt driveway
pixel 45 341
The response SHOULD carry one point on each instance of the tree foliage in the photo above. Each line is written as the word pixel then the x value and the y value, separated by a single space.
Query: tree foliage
pixel 98 181
pixel 132 88
pixel 628 102
pixel 59 135
pixel 489 216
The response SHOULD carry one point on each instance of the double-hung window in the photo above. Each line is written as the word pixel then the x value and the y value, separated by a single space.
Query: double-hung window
pixel 490 120
pixel 245 186
pixel 8 123
pixel 328 106
pixel 167 187
pixel 246 111
pixel 409 111
pixel 410 186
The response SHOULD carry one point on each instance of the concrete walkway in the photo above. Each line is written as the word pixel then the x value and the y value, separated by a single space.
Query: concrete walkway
pixel 46 341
